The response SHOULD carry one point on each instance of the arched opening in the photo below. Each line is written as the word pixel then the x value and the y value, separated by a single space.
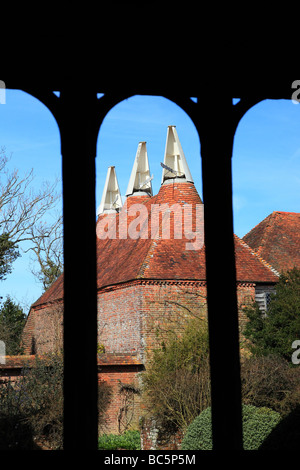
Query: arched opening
pixel 31 216
pixel 30 141
pixel 260 174
pixel 118 150
pixel 129 312
pixel 266 201
pixel 266 163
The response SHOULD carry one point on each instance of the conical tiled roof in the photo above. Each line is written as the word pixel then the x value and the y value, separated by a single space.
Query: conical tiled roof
pixel 158 237
pixel 151 256
pixel 122 258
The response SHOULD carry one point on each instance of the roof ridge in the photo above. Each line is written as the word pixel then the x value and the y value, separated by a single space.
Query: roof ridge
pixel 257 255
pixel 253 228
pixel 274 214
pixel 286 212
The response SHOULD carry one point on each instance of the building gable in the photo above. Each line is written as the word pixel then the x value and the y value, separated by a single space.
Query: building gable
pixel 277 239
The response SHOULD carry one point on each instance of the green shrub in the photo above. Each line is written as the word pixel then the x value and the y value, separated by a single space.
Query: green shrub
pixel 32 409
pixel 130 440
pixel 257 425
pixel 274 333
pixel 270 381
pixel 176 383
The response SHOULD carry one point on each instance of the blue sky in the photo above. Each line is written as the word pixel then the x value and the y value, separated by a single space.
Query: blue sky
pixel 266 157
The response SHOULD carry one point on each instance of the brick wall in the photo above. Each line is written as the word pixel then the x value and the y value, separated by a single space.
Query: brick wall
pixel 119 320
pixel 166 307
pixel 123 411
pixel 133 319
pixel 28 334
pixel 245 296
pixel 120 373
pixel 43 332
pixel 130 316
pixel 13 367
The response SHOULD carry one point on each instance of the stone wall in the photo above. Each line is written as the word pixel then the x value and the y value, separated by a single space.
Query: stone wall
pixel 151 438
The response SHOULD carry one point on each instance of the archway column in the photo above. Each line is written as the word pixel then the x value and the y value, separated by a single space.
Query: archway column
pixel 216 127
pixel 79 119
pixel 216 136
pixel 78 129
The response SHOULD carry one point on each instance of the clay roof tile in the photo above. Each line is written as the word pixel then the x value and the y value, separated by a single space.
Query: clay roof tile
pixel 151 256
pixel 277 239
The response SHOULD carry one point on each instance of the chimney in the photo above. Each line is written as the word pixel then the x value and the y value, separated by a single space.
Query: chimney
pixel 175 166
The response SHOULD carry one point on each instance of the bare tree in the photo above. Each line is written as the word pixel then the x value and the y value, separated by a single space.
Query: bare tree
pixel 23 214
pixel 48 250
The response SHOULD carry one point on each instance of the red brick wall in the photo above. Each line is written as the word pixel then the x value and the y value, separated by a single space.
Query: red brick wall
pixel 124 408
pixel 245 296
pixel 129 316
pixel 43 331
pixel 13 367
pixel 167 306
pixel 28 333
pixel 132 319
pixel 119 319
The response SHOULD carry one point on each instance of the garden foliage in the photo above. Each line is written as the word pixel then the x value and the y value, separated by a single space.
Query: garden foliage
pixel 257 425
pixel 275 331
pixel 130 440
pixel 176 381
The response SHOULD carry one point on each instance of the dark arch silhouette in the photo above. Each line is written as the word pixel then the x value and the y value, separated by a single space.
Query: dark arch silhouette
pixel 79 119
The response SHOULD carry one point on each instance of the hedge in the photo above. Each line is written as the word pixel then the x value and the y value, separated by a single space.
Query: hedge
pixel 130 440
pixel 257 425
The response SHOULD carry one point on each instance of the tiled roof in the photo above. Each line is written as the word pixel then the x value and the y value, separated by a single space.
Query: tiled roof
pixel 53 294
pixel 277 239
pixel 250 266
pixel 152 257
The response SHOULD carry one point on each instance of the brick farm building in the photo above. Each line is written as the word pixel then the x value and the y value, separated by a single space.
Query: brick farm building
pixel 150 274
